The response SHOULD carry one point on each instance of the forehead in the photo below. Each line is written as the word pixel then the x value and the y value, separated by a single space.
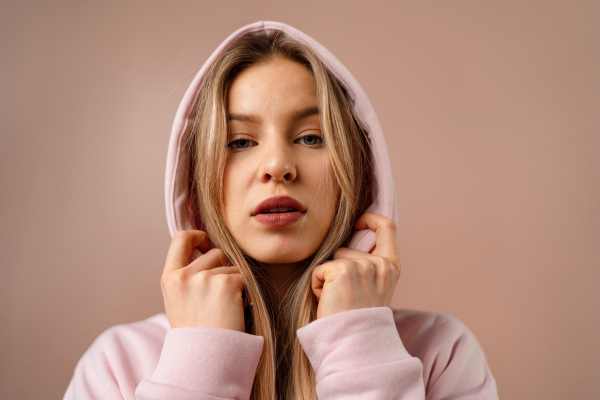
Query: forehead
pixel 273 85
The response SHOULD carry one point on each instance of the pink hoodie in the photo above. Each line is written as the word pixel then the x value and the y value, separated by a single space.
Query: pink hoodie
pixel 372 353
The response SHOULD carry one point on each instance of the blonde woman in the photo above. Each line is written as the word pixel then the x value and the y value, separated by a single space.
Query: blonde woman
pixel 284 259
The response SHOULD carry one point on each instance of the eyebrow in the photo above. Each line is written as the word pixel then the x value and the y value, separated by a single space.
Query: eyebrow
pixel 305 112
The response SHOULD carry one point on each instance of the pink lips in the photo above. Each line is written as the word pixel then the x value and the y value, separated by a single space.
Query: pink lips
pixel 279 211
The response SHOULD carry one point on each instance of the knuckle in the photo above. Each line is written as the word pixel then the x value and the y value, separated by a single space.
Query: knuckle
pixel 384 263
pixel 221 280
pixel 175 279
pixel 393 264
pixel 390 224
pixel 365 268
pixel 218 252
pixel 345 267
pixel 182 235
pixel 354 267
pixel 390 268
pixel 178 279
pixel 225 282
pixel 386 266
pixel 204 277
pixel 338 252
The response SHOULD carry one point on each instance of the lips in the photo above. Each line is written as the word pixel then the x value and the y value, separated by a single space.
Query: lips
pixel 278 205
pixel 279 211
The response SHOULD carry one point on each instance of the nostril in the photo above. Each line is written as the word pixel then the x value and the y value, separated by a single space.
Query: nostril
pixel 278 170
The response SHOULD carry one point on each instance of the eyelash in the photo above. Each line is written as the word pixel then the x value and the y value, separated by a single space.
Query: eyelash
pixel 319 140
pixel 251 143
pixel 233 142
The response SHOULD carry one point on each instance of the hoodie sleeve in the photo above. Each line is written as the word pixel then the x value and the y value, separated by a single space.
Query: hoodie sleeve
pixel 358 354
pixel 194 363
pixel 204 363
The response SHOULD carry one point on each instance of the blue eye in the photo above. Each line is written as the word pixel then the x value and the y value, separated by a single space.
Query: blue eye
pixel 310 140
pixel 240 144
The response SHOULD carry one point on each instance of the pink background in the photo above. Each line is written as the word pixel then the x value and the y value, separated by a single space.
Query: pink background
pixel 492 115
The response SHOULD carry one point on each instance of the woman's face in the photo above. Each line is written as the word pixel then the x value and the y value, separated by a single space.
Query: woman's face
pixel 280 193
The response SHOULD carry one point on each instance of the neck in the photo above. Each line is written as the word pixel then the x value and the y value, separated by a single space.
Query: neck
pixel 282 278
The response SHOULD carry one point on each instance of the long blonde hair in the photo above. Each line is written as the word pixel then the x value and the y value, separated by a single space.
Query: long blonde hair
pixel 284 372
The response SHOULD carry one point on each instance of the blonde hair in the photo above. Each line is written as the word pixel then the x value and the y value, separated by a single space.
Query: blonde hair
pixel 286 372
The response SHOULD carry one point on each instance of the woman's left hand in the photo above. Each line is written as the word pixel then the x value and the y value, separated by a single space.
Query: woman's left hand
pixel 355 279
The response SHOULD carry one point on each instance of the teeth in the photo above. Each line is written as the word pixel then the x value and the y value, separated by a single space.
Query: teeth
pixel 278 210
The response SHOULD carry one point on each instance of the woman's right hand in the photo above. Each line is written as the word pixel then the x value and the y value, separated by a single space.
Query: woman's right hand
pixel 204 293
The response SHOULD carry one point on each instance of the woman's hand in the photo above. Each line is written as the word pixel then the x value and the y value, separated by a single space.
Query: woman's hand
pixel 206 292
pixel 355 279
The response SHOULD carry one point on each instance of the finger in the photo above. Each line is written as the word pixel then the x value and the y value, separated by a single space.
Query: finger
pixel 231 279
pixel 231 269
pixel 210 260
pixel 236 279
pixel 344 252
pixel 318 277
pixel 381 268
pixel 181 247
pixel 385 235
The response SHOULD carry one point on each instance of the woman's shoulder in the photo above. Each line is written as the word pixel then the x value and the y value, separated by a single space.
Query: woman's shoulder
pixel 134 346
pixel 149 332
pixel 125 355
pixel 443 344
pixel 424 332
pixel 119 359
pixel 415 323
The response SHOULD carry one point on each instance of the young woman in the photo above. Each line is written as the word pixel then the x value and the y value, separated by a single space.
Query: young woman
pixel 284 259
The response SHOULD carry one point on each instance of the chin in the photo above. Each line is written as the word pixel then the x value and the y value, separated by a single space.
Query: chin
pixel 279 257
pixel 280 253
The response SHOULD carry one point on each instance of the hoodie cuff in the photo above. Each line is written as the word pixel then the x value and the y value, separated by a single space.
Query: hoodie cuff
pixel 219 362
pixel 351 340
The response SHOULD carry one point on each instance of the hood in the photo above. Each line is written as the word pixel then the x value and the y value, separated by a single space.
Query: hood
pixel 177 191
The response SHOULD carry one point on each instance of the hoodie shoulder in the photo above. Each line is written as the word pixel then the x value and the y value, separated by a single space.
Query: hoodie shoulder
pixel 148 360
pixel 453 361
pixel 119 359
pixel 141 337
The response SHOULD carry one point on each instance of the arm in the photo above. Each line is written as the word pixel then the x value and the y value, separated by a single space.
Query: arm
pixel 204 363
pixel 207 354
pixel 194 363
pixel 454 365
pixel 353 345
pixel 361 354
pixel 358 354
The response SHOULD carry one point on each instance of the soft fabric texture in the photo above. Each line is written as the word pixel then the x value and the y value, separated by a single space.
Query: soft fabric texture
pixel 372 353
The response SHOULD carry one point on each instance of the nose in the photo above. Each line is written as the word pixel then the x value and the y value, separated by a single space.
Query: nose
pixel 278 164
